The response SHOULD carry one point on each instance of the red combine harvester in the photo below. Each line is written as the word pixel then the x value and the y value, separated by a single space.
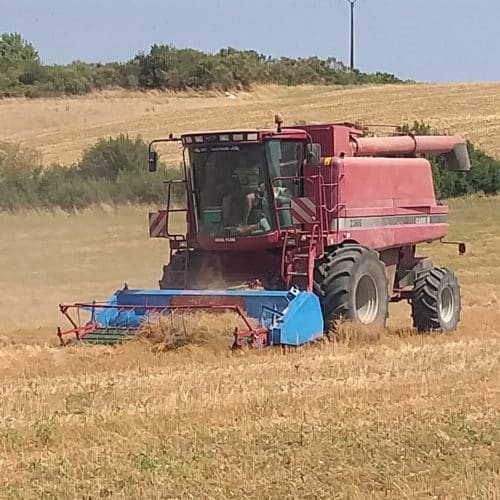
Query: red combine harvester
pixel 323 209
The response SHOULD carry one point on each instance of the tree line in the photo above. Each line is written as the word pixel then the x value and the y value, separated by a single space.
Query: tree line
pixel 114 171
pixel 22 72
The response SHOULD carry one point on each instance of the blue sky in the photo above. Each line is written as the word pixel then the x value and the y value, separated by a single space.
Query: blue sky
pixel 428 40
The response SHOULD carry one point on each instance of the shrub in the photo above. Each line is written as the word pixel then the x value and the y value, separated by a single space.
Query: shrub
pixel 112 171
pixel 166 67
pixel 110 157
pixel 14 50
pixel 483 177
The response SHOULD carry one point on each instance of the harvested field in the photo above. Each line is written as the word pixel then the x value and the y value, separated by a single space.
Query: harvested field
pixel 212 330
pixel 61 128
pixel 404 416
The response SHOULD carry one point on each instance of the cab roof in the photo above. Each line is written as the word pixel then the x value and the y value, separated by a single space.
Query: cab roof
pixel 247 135
pixel 260 131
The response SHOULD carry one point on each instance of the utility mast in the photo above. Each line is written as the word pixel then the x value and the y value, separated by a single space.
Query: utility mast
pixel 352 3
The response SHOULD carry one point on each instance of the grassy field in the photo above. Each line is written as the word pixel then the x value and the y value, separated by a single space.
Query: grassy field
pixel 61 128
pixel 407 416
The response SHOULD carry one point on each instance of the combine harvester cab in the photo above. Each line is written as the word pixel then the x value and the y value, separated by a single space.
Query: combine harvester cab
pixel 270 317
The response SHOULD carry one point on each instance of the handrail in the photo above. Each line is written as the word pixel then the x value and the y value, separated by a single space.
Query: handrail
pixel 277 209
pixel 283 256
pixel 169 210
pixel 315 234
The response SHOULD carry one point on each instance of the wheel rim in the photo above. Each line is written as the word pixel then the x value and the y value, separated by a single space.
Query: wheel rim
pixel 366 300
pixel 447 304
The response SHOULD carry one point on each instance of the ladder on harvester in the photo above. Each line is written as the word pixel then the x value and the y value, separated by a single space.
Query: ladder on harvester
pixel 300 250
pixel 302 247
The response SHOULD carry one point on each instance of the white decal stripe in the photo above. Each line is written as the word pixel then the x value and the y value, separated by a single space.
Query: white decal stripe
pixel 153 223
pixel 309 204
pixel 390 220
pixel 300 218
pixel 305 206
pixel 159 231
pixel 303 211
pixel 299 215
pixel 157 224
pixel 162 225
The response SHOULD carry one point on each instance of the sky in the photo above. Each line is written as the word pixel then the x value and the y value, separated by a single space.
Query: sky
pixel 425 40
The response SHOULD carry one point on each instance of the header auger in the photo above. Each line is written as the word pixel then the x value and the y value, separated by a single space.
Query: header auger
pixel 295 228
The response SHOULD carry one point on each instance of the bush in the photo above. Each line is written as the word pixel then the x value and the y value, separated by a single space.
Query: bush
pixel 110 157
pixel 483 177
pixel 166 67
pixel 15 50
pixel 113 171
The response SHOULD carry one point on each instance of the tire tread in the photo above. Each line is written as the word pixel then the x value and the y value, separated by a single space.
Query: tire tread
pixel 425 301
pixel 334 275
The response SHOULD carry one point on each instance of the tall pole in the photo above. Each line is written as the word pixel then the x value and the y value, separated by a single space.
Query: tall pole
pixel 352 2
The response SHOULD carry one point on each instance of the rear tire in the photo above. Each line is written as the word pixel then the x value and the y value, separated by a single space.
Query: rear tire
pixel 352 284
pixel 436 302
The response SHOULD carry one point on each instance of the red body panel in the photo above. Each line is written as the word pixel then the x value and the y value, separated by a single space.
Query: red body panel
pixel 248 243
pixel 374 191
pixel 392 197
pixel 372 184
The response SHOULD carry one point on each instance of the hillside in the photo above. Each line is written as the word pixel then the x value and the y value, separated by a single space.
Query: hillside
pixel 403 416
pixel 60 128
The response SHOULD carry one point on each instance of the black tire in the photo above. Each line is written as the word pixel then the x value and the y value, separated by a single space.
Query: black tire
pixel 203 272
pixel 436 302
pixel 352 284
pixel 173 277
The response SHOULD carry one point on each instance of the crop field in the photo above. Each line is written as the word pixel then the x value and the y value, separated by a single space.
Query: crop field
pixel 404 416
pixel 61 128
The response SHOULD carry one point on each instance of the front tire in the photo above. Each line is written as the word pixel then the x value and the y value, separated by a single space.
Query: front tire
pixel 173 273
pixel 352 284
pixel 193 270
pixel 436 302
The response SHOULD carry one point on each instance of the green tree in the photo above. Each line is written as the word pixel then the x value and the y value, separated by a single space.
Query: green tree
pixel 483 177
pixel 15 50
pixel 110 157
pixel 166 67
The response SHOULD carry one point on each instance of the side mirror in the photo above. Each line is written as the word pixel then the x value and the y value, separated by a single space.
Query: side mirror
pixel 313 151
pixel 153 160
